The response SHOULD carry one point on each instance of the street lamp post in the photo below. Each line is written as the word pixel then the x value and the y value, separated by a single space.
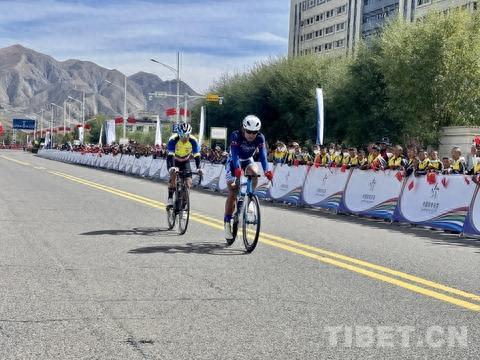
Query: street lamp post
pixel 125 115
pixel 83 108
pixel 57 106
pixel 177 73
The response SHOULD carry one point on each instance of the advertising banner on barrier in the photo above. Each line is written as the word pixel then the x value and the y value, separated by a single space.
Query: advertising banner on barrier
pixel 211 175
pixel 137 164
pixel 163 174
pixel 114 162
pixel 443 204
pixel 129 165
pixel 324 187
pixel 146 166
pixel 262 187
pixel 155 167
pixel 372 193
pixel 472 222
pixel 105 160
pixel 288 183
pixel 123 163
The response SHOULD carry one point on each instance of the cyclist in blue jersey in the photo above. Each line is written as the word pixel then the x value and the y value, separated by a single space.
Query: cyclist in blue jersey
pixel 243 145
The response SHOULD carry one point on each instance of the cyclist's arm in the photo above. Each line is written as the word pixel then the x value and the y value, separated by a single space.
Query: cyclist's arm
pixel 234 147
pixel 195 151
pixel 262 153
pixel 170 152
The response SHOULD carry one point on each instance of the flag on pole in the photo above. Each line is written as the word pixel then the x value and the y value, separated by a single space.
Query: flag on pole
pixel 80 133
pixel 202 125
pixel 110 131
pixel 158 133
pixel 100 137
pixel 1 129
pixel 320 117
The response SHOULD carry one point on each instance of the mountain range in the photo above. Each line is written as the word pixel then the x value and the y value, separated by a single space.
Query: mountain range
pixel 30 81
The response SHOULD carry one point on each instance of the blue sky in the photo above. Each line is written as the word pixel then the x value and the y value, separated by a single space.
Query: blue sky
pixel 214 37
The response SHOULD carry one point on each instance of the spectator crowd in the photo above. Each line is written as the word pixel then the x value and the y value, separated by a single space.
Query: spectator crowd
pixel 377 156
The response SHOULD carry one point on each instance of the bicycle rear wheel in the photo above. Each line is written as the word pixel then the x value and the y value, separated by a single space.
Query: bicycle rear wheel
pixel 251 223
pixel 183 211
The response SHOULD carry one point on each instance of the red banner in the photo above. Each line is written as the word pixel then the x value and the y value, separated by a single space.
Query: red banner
pixel 88 126
pixel 118 120
pixel 131 120
pixel 1 129
pixel 171 111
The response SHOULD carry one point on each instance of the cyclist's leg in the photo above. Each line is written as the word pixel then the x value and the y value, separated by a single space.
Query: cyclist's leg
pixel 171 185
pixel 232 192
pixel 252 169
pixel 188 174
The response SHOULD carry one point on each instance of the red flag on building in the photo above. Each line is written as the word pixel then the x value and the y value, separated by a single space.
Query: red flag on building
pixel 118 120
pixel 88 126
pixel 131 120
pixel 171 112
pixel 79 126
pixel 182 112
pixel 1 129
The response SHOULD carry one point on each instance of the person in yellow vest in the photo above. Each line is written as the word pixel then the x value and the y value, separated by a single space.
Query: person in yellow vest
pixel 324 157
pixel 338 157
pixel 280 153
pixel 371 156
pixel 435 164
pixel 458 163
pixel 476 166
pixel 397 161
pixel 362 160
pixel 352 152
pixel 346 157
pixel 423 163
pixel 446 165
pixel 411 160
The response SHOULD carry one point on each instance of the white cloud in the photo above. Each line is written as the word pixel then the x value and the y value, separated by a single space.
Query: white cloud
pixel 267 37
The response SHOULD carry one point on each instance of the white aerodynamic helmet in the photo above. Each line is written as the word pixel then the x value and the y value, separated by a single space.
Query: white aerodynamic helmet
pixel 252 123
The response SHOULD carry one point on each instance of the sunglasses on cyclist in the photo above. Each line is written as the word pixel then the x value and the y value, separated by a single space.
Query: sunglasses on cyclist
pixel 250 132
pixel 184 136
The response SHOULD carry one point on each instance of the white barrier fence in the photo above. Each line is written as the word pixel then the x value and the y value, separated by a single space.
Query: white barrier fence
pixel 451 202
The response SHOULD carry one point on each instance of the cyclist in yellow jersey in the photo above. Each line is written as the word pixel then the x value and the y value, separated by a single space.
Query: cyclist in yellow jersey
pixel 181 147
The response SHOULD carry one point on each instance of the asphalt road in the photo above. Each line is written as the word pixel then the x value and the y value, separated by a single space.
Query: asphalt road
pixel 88 271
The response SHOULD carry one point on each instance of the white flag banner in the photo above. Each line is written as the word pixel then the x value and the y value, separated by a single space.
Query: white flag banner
pixel 320 115
pixel 80 134
pixel 47 140
pixel 158 133
pixel 100 138
pixel 110 131
pixel 202 125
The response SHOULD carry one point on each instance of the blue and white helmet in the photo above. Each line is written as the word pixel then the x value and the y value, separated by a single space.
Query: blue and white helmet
pixel 184 129
pixel 252 123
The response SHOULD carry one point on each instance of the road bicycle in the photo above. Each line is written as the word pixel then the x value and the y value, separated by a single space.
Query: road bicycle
pixel 179 212
pixel 247 213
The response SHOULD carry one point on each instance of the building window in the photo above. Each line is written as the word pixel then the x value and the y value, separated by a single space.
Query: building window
pixel 341 27
pixel 341 9
pixel 129 128
pixel 320 2
pixel 329 30
pixel 423 2
pixel 139 128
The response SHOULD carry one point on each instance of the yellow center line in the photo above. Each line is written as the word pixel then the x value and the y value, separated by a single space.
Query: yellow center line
pixel 15 161
pixel 301 249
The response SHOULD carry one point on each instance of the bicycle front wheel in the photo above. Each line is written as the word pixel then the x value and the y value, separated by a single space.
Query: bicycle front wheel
pixel 251 223
pixel 183 211
pixel 171 213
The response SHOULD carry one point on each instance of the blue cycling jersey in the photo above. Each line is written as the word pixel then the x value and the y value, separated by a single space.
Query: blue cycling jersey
pixel 241 149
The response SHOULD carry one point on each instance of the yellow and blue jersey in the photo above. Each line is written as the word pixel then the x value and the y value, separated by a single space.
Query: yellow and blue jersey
pixel 183 150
